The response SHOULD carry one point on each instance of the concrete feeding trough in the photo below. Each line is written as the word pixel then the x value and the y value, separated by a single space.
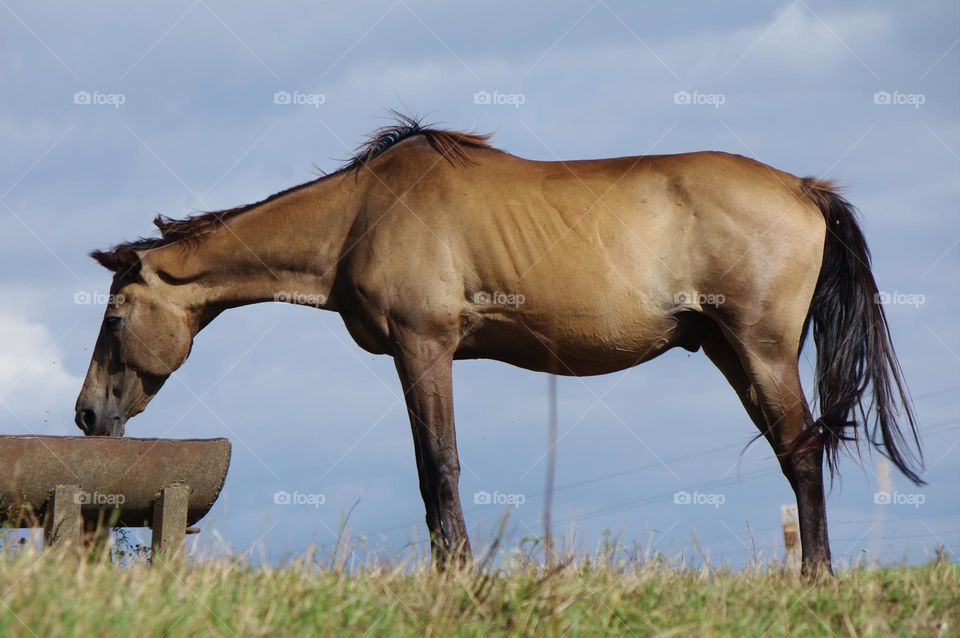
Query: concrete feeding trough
pixel 69 484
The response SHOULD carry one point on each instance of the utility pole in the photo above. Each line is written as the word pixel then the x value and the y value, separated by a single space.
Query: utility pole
pixel 551 467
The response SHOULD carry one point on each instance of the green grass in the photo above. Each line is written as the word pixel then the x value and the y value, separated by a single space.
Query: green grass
pixel 54 594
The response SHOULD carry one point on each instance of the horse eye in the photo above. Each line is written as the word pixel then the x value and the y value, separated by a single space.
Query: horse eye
pixel 113 323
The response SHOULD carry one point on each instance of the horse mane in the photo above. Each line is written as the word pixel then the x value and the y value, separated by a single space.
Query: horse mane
pixel 449 144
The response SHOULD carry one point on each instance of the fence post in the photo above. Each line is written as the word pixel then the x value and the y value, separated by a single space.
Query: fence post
pixel 791 536
pixel 64 525
pixel 170 521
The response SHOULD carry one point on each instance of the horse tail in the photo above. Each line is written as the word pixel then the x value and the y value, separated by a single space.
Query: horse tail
pixel 858 377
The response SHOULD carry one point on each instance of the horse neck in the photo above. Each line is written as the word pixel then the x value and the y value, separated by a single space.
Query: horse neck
pixel 286 249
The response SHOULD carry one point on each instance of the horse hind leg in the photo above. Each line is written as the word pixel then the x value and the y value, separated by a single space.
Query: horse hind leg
pixel 768 383
pixel 725 358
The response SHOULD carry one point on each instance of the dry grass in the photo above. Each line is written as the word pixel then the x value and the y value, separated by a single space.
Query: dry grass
pixel 54 594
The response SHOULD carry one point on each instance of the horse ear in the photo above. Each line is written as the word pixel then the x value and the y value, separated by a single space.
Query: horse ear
pixel 106 258
pixel 122 262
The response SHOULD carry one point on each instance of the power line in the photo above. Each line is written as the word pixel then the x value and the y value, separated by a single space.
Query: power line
pixel 941 427
pixel 640 468
pixel 937 393
pixel 628 505
pixel 851 539
pixel 749 476
pixel 730 536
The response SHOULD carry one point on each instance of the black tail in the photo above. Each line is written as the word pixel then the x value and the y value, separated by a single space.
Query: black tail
pixel 859 381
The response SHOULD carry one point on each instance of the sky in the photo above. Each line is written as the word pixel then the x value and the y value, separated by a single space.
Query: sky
pixel 112 112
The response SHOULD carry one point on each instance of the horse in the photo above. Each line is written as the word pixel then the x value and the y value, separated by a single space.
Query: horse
pixel 434 246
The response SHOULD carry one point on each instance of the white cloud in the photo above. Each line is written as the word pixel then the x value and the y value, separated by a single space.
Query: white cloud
pixel 797 39
pixel 37 391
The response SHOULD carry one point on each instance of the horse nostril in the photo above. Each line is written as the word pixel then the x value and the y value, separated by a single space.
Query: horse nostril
pixel 88 418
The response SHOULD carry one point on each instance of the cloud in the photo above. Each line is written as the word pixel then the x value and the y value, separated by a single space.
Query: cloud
pixel 37 391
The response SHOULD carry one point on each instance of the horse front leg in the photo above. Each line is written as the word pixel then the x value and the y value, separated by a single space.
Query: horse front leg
pixel 425 370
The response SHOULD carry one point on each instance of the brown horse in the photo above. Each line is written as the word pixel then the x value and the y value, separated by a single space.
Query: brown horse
pixel 434 246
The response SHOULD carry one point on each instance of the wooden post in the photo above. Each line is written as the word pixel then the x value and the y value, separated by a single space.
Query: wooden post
pixel 64 524
pixel 170 521
pixel 791 536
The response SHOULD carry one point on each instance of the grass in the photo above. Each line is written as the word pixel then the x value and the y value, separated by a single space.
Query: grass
pixel 55 594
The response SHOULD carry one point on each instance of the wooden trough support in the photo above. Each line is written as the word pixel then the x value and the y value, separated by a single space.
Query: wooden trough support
pixel 170 520
pixel 74 485
pixel 64 522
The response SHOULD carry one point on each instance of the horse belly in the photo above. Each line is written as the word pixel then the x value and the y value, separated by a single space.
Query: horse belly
pixel 569 341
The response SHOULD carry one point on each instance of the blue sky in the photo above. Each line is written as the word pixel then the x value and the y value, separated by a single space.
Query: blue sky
pixel 112 112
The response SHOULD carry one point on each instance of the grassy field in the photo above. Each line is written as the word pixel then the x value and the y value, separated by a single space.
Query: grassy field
pixel 50 594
